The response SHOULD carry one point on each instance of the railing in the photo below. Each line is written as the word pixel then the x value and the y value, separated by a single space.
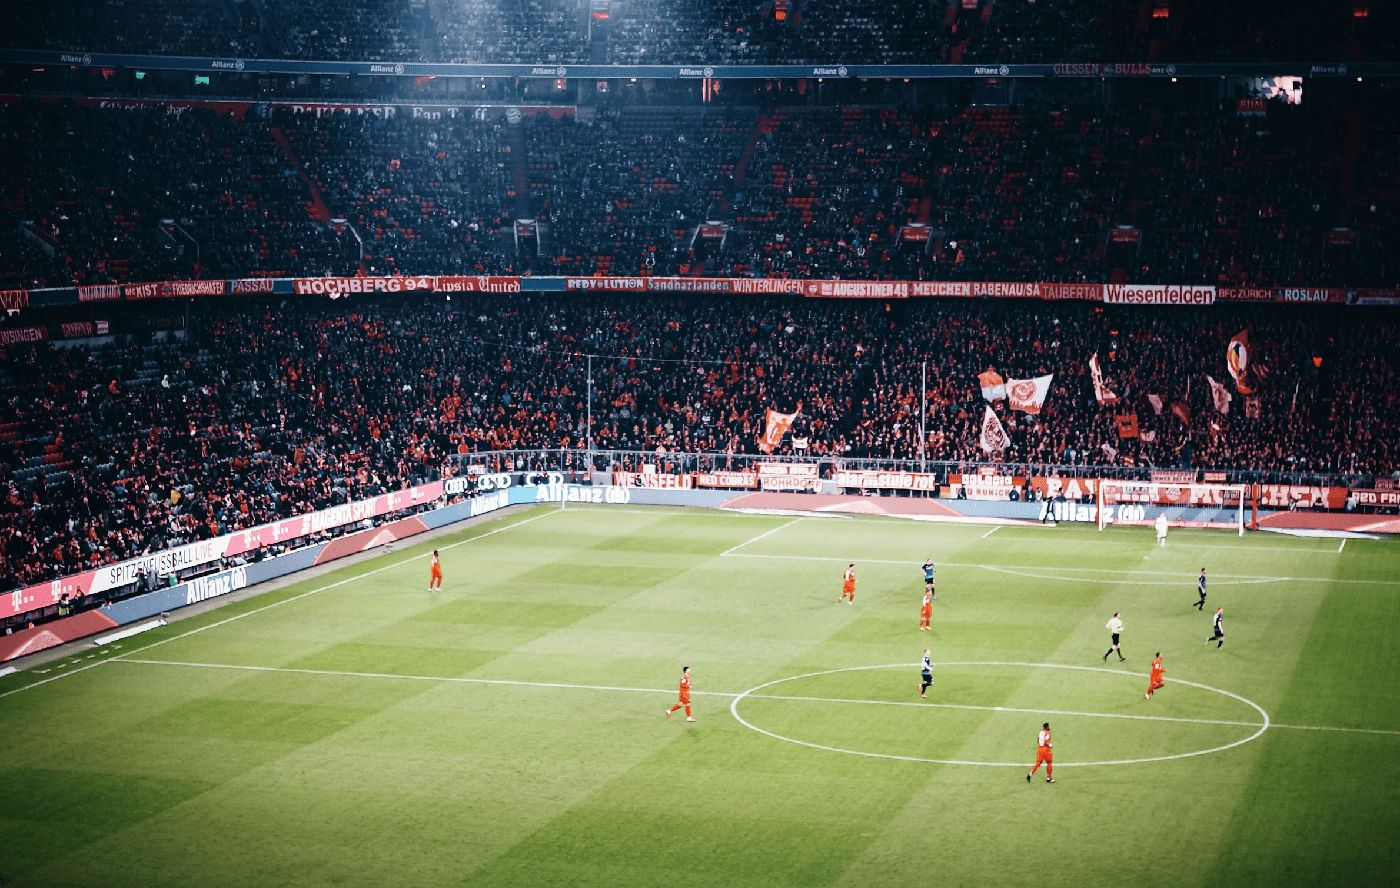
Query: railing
pixel 573 460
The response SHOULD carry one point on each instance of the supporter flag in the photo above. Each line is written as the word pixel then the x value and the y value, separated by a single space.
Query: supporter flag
pixel 1028 394
pixel 1147 436
pixel 1237 361
pixel 1251 407
pixel 1181 412
pixel 1220 395
pixel 1216 428
pixel 1156 402
pixel 993 386
pixel 1101 391
pixel 1127 425
pixel 777 426
pixel 994 438
pixel 1110 451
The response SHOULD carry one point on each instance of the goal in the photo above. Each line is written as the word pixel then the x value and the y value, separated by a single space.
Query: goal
pixel 1138 503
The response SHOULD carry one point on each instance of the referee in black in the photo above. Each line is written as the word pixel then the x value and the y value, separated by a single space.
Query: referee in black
pixel 1115 628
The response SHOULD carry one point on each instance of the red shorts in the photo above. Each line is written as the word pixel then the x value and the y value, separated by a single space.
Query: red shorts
pixel 1043 754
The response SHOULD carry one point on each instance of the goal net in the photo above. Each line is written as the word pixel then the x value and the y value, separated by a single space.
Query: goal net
pixel 1139 503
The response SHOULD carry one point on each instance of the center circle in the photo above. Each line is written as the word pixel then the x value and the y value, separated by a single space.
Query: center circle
pixel 754 692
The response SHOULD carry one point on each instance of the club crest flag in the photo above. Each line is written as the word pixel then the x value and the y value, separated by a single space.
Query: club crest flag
pixel 993 386
pixel 777 426
pixel 1220 395
pixel 1028 395
pixel 1101 391
pixel 994 439
pixel 1237 362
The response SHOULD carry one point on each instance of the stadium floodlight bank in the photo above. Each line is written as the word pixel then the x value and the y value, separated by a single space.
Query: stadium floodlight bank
pixel 1138 503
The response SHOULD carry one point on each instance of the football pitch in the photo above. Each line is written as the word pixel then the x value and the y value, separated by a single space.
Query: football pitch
pixel 356 729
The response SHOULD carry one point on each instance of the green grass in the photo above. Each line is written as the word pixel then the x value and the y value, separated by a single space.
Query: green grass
pixel 509 730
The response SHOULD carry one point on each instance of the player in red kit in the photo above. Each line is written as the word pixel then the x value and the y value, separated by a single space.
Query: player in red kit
pixel 435 576
pixel 685 696
pixel 1155 682
pixel 926 612
pixel 848 586
pixel 1043 754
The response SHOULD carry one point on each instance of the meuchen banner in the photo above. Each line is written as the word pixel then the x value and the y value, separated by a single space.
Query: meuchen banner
pixel 156 564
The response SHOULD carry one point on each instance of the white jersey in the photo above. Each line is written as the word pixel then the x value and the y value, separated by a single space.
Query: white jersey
pixel 1114 625
pixel 1161 525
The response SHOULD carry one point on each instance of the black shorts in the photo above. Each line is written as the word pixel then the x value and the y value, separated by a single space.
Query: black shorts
pixel 926 675
pixel 1115 639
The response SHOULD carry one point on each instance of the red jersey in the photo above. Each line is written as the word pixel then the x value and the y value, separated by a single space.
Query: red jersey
pixel 1044 739
pixel 685 687
pixel 848 582
pixel 1157 669
pixel 928 602
pixel 436 565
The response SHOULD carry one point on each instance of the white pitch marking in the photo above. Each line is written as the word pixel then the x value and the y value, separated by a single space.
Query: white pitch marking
pixel 990 532
pixel 1255 578
pixel 259 610
pixel 759 537
pixel 1341 545
pixel 753 696
pixel 734 711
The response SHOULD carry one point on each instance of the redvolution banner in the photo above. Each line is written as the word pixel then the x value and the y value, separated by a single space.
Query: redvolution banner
pixel 123 573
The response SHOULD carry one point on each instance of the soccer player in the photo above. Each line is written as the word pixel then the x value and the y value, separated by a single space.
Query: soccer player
pixel 1201 590
pixel 1155 683
pixel 1115 628
pixel 926 612
pixel 1219 627
pixel 1043 754
pixel 685 696
pixel 928 579
pixel 925 674
pixel 848 585
pixel 435 576
pixel 1162 529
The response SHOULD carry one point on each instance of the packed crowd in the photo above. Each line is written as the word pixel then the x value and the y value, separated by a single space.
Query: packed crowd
pixel 871 32
pixel 266 410
pixel 1299 196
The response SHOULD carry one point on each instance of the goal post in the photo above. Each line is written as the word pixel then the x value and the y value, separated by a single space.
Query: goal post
pixel 1139 503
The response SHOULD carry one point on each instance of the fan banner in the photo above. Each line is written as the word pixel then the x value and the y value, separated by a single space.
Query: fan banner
pixel 994 439
pixel 1028 395
pixel 1101 390
pixel 1127 425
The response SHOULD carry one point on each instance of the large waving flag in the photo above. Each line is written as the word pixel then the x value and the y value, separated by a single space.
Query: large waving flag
pixel 1102 394
pixel 1237 361
pixel 994 438
pixel 1028 394
pixel 993 386
pixel 778 425
pixel 1220 395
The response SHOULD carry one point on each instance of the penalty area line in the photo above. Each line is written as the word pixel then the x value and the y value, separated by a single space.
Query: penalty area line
pixel 750 542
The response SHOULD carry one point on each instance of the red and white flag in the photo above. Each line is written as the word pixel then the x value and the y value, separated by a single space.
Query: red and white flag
pixel 1220 395
pixel 993 386
pixel 1101 390
pixel 1237 359
pixel 1156 402
pixel 994 438
pixel 777 426
pixel 1028 394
